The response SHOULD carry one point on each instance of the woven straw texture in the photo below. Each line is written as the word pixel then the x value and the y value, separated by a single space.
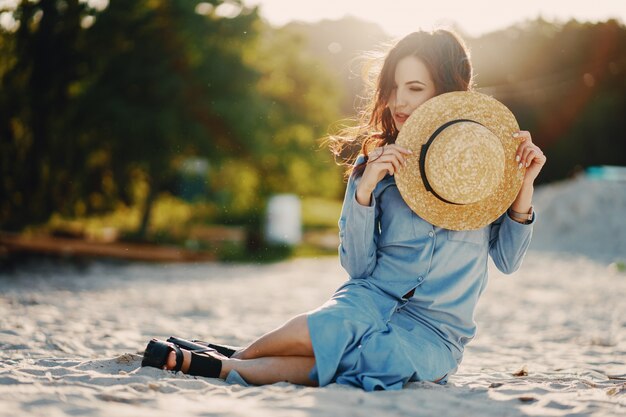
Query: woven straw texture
pixel 465 163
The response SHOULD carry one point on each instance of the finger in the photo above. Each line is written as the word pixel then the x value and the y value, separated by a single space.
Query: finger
pixel 384 166
pixel 389 167
pixel 396 150
pixel 528 156
pixel 400 148
pixel 521 148
pixel 388 158
pixel 402 153
pixel 540 158
pixel 524 139
pixel 386 153
pixel 522 135
pixel 393 150
pixel 375 154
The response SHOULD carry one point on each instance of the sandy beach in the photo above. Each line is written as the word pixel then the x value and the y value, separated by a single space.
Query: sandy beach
pixel 551 338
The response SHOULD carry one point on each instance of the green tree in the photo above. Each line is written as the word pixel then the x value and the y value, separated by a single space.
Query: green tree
pixel 302 99
pixel 40 60
pixel 173 85
pixel 90 104
pixel 133 90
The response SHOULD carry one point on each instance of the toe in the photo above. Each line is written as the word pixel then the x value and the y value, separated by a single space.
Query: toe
pixel 171 360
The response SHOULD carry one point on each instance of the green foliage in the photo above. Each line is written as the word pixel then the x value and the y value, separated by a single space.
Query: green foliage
pixel 171 221
pixel 304 100
pixel 320 213
pixel 39 160
pixel 161 94
pixel 96 101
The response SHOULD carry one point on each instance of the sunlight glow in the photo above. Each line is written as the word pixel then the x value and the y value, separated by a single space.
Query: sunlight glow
pixel 99 5
pixel 8 22
pixel 228 10
pixel 400 17
pixel 204 8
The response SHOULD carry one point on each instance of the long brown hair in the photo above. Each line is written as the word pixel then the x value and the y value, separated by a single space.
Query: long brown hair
pixel 447 59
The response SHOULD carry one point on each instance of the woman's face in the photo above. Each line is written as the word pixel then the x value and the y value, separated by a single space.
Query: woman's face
pixel 413 86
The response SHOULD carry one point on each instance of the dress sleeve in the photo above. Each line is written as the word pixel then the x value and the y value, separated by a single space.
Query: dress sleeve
pixel 357 237
pixel 509 241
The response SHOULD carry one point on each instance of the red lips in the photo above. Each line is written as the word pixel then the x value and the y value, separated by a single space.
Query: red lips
pixel 401 117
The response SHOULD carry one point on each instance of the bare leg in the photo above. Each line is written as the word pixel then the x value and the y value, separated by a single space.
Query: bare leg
pixel 261 371
pixel 291 339
pixel 269 370
pixel 284 354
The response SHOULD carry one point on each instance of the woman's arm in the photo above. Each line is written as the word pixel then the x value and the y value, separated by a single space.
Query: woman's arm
pixel 530 156
pixel 357 237
pixel 358 224
pixel 511 233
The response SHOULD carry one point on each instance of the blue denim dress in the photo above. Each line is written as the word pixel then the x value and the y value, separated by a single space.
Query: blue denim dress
pixel 375 332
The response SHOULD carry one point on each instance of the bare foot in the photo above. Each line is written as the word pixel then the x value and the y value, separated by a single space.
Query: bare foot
pixel 171 361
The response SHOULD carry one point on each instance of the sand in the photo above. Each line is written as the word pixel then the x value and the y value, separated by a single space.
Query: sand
pixel 551 340
pixel 582 216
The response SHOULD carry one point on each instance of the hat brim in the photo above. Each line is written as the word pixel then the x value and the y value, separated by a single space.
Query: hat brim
pixel 420 126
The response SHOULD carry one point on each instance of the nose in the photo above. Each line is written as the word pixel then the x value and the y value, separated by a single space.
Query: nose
pixel 400 99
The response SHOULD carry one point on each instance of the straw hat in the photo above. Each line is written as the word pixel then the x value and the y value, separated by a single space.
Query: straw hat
pixel 463 174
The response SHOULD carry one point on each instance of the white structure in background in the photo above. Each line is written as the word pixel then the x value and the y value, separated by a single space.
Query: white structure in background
pixel 284 220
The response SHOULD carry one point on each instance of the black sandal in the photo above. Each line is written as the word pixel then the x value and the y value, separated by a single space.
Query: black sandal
pixel 201 364
pixel 200 346
pixel 158 351
pixel 227 351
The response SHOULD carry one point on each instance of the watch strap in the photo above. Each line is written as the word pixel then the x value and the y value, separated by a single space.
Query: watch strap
pixel 526 217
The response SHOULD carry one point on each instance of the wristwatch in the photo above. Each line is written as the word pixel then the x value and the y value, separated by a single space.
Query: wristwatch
pixel 525 218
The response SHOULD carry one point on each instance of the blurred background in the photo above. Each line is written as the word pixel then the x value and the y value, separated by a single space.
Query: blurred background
pixel 199 125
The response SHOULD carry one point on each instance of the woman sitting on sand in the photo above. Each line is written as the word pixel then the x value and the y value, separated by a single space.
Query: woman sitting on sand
pixel 407 310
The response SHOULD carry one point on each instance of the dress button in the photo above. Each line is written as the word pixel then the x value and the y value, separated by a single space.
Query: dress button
pixel 431 234
pixel 420 278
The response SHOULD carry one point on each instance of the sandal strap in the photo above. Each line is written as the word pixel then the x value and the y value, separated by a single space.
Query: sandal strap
pixel 199 346
pixel 192 346
pixel 203 350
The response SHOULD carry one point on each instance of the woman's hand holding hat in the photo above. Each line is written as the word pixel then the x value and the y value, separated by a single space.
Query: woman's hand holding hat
pixel 381 161
pixel 529 155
